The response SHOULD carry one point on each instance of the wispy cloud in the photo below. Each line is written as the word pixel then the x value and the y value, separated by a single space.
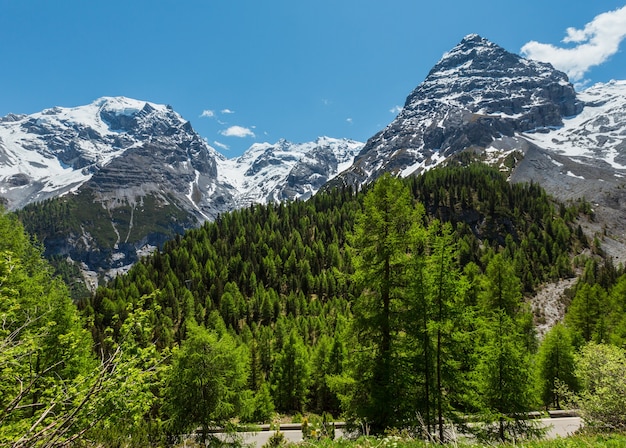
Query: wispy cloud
pixel 594 44
pixel 237 131
pixel 349 120
pixel 221 145
pixel 395 110
pixel 210 113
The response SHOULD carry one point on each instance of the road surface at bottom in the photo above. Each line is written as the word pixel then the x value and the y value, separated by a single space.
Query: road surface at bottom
pixel 557 427
pixel 561 426
pixel 260 438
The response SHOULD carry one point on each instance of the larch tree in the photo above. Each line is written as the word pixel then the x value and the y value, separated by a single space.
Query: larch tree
pixel 380 244
pixel 46 361
pixel 555 366
pixel 503 373
pixel 291 375
pixel 205 382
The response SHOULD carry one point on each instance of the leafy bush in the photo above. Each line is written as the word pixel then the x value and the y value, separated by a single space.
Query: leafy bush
pixel 601 369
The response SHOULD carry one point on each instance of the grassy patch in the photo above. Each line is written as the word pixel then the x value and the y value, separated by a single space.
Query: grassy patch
pixel 602 441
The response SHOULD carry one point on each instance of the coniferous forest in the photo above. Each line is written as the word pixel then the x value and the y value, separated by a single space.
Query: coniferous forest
pixel 405 306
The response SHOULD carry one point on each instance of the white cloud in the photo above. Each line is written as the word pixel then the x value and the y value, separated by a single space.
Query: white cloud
pixel 207 113
pixel 227 111
pixel 221 145
pixel 395 110
pixel 595 43
pixel 349 120
pixel 237 131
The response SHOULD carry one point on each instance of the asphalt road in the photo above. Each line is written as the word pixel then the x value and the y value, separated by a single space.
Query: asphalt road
pixel 561 426
pixel 557 427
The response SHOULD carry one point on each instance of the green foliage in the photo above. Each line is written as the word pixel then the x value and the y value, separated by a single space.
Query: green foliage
pixel 503 372
pixel 380 241
pixel 398 305
pixel 291 375
pixel 277 439
pixel 413 326
pixel 261 406
pixel 585 311
pixel 405 441
pixel 127 398
pixel 504 383
pixel 601 370
pixel 45 354
pixel 204 384
pixel 555 366
pixel 280 281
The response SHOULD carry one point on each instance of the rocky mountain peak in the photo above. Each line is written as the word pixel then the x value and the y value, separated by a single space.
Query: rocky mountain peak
pixel 477 50
pixel 476 93
pixel 483 77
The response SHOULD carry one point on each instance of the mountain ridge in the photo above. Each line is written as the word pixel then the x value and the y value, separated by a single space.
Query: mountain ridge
pixel 145 175
pixel 478 97
pixel 59 149
pixel 475 93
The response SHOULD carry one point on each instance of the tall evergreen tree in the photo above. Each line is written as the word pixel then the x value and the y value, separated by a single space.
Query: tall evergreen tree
pixel 503 373
pixel 291 375
pixel 443 274
pixel 46 362
pixel 555 366
pixel 584 312
pixel 205 383
pixel 381 244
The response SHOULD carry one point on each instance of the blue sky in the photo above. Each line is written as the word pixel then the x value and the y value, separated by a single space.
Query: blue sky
pixel 245 71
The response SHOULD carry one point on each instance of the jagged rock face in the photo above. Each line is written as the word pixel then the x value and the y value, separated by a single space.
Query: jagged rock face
pixel 139 169
pixel 599 132
pixel 179 165
pixel 60 149
pixel 477 92
pixel 285 170
pixel 149 174
pixel 316 168
pixel 482 98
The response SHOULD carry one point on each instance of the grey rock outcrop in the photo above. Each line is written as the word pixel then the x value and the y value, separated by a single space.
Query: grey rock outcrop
pixel 477 92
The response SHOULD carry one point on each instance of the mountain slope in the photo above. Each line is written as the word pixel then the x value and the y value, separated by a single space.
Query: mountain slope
pixel 142 164
pixel 476 93
pixel 130 147
pixel 286 171
pixel 585 158
pixel 49 153
pixel 519 114
pixel 138 175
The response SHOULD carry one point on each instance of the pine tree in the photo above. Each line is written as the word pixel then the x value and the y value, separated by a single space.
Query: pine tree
pixel 204 385
pixel 503 374
pixel 380 241
pixel 555 366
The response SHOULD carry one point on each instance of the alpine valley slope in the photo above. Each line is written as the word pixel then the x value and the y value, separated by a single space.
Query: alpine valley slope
pixel 519 114
pixel 132 174
pixel 140 174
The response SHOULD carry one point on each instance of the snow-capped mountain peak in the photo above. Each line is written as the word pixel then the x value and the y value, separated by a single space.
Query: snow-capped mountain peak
pixel 56 150
pixel 148 174
pixel 478 97
pixel 284 170
pixel 475 93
